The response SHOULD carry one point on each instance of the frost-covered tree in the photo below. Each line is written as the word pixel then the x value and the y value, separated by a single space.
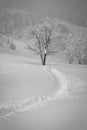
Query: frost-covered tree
pixel 67 49
pixel 75 47
pixel 71 45
pixel 82 48
pixel 45 35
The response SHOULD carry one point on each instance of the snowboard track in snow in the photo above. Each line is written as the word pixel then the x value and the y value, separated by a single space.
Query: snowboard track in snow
pixel 59 90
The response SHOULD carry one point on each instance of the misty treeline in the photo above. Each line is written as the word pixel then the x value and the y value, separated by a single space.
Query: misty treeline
pixel 6 41
pixel 49 37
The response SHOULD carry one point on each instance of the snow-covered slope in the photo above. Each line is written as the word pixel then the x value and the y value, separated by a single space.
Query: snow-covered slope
pixel 24 86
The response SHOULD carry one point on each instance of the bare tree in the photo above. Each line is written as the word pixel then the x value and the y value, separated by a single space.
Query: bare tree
pixel 45 35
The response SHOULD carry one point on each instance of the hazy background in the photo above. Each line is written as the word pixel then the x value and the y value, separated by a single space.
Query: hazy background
pixel 74 11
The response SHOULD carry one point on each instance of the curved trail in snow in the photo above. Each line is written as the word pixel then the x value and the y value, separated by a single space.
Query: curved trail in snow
pixel 61 83
pixel 59 90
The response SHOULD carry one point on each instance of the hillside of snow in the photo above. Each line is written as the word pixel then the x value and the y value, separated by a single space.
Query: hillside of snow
pixel 33 97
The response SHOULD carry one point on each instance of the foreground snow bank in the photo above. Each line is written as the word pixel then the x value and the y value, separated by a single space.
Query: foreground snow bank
pixel 59 90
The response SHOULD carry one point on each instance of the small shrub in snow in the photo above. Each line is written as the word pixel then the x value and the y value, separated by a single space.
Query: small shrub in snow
pixel 12 46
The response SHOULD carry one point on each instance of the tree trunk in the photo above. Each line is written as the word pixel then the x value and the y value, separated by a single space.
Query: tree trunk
pixel 41 56
pixel 80 62
pixel 44 60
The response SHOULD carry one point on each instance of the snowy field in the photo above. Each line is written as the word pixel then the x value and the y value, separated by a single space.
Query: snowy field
pixel 33 97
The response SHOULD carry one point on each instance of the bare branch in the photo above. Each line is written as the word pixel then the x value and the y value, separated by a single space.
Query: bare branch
pixel 33 49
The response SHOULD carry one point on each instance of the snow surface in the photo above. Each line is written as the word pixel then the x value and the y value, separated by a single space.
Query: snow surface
pixel 49 97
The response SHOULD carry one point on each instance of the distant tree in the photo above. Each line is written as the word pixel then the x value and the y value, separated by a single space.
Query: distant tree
pixel 12 46
pixel 67 45
pixel 75 47
pixel 45 35
pixel 71 45
pixel 10 43
pixel 82 49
